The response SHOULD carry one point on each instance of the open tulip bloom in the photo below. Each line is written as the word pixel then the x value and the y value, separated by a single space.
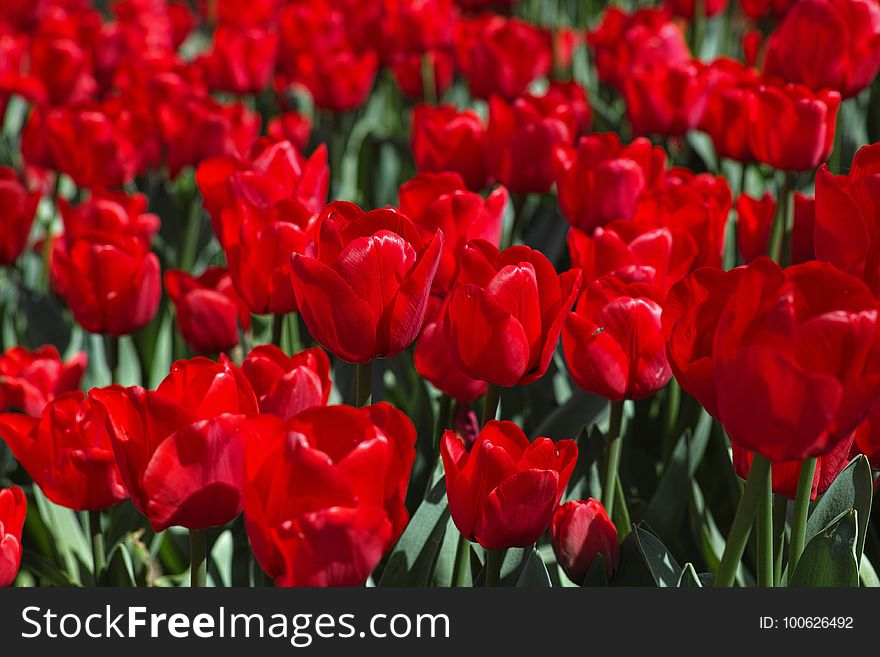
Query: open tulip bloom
pixel 439 292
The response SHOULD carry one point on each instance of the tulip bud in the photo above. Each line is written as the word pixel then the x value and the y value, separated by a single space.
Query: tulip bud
pixel 13 509
pixel 581 531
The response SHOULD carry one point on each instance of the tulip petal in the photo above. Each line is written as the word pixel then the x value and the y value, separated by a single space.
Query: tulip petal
pixel 517 512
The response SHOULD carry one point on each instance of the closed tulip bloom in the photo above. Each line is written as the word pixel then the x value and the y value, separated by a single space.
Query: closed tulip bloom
pixel 666 99
pixel 787 473
pixel 17 210
pixel 827 44
pixel 180 448
pixel 728 108
pixel 847 230
pixel 106 214
pixel 602 180
pixel 792 128
pixel 291 126
pixel 580 532
pixel 324 493
pixel 434 362
pixel 240 61
pixel 755 221
pixel 67 452
pixel 521 139
pixel 613 340
pixel 501 56
pixel 446 139
pixel 286 385
pixel 408 68
pixel 207 308
pixel 13 509
pixel 506 311
pixel 365 293
pixel 686 8
pixel 502 493
pixel 111 286
pixel 31 379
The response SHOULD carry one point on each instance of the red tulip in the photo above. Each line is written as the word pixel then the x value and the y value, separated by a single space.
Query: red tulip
pixel 613 341
pixel 291 126
pixel 61 65
pixel 666 99
pixel 787 473
pixel 435 364
pixel 755 221
pixel 444 139
pixel 365 293
pixel 792 354
pixel 67 452
pixel 792 128
pixel 482 5
pixel 727 119
pixel 602 180
pixel 581 531
pixel 13 509
pixel 408 70
pixel 17 210
pixel 827 44
pixel 241 61
pixel 208 309
pixel 180 448
pixel 439 201
pixel 867 436
pixel 506 312
pixel 502 493
pixel 105 215
pixel 847 229
pixel 501 55
pixel 623 249
pixel 623 43
pixel 415 27
pixel 686 8
pixel 31 379
pixel 758 9
pixel 520 141
pixel 324 493
pixel 111 285
pixel 286 385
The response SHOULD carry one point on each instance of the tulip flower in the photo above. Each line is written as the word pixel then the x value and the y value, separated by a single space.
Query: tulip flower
pixel 501 56
pixel 502 493
pixel 67 452
pixel 505 313
pixel 17 210
pixel 31 379
pixel 613 341
pixel 521 138
pixel 291 126
pixel 730 97
pixel 240 61
pixel 602 180
pixel 433 361
pixel 792 128
pixel 847 229
pixel 687 8
pixel 786 473
pixel 285 385
pixel 755 221
pixel 666 99
pixel 104 215
pixel 13 509
pixel 180 448
pixel 208 309
pixel 579 532
pixel 827 44
pixel 365 293
pixel 61 66
pixel 408 70
pixel 324 493
pixel 444 139
pixel 867 436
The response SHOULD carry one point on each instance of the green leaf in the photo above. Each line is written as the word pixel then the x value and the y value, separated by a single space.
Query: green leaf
pixel 567 421
pixel 852 489
pixel 70 541
pixel 867 574
pixel 445 564
pixel 221 558
pixel 829 559
pixel 689 577
pixel 411 562
pixel 597 575
pixel 662 565
pixel 534 574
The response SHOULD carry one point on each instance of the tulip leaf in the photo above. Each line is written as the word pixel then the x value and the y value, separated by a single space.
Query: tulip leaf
pixel 567 421
pixel 412 561
pixel 852 489
pixel 689 577
pixel 446 555
pixel 597 575
pixel 120 567
pixel 534 574
pixel 221 558
pixel 70 541
pixel 829 559
pixel 867 574
pixel 662 565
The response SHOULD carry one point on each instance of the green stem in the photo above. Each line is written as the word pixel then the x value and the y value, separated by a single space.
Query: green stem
pixel 780 507
pixel 277 330
pixel 191 236
pixel 494 559
pixel 780 239
pixel 462 557
pixel 198 558
pixel 364 383
pixel 111 351
pixel 765 529
pixel 490 403
pixel 442 422
pixel 99 563
pixel 673 408
pixel 742 522
pixel 429 85
pixel 699 27
pixel 612 456
pixel 293 333
pixel 623 522
pixel 801 511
